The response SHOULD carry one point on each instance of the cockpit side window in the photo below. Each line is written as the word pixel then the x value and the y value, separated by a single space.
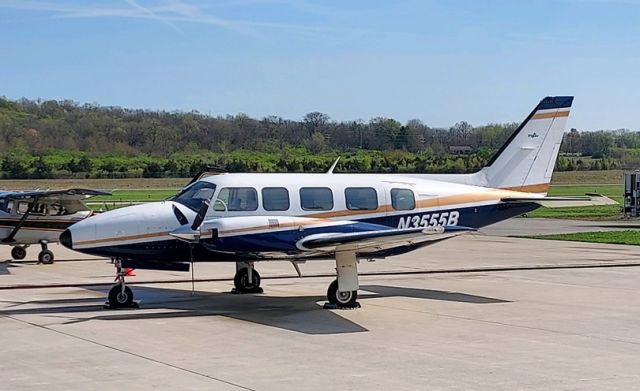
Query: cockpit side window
pixel 38 208
pixel 195 195
pixel 238 199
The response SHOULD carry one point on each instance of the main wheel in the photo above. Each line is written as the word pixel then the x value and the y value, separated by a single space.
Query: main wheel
pixel 120 299
pixel 18 252
pixel 45 257
pixel 341 299
pixel 241 281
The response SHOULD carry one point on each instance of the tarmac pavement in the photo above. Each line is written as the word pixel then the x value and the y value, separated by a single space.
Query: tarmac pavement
pixel 474 312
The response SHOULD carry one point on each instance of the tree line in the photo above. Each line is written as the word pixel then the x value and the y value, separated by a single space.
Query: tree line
pixel 46 139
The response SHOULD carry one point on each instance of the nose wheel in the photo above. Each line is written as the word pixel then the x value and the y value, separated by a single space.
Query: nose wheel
pixel 45 256
pixel 120 295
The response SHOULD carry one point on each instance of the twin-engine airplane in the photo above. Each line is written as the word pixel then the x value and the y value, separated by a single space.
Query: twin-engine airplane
pixel 245 218
pixel 39 216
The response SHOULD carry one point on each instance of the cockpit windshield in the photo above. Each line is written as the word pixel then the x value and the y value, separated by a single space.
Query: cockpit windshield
pixel 195 195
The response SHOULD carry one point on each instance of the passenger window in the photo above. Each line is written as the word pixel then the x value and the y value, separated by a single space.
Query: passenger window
pixel 361 198
pixel 316 198
pixel 402 199
pixel 23 207
pixel 239 199
pixel 275 198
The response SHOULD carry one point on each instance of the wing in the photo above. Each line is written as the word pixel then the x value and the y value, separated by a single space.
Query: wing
pixel 70 199
pixel 562 202
pixel 371 241
pixel 66 194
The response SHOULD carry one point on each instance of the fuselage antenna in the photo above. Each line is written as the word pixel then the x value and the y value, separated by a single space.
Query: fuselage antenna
pixel 333 166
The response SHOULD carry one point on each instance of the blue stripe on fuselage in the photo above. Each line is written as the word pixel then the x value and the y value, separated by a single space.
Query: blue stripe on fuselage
pixel 284 241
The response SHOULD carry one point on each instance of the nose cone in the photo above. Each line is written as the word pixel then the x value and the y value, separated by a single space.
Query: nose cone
pixel 65 239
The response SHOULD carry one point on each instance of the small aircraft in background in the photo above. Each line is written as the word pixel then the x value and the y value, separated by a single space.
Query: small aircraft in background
pixel 39 216
pixel 247 218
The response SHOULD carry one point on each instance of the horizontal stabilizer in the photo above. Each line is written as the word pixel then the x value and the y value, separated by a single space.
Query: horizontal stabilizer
pixel 562 202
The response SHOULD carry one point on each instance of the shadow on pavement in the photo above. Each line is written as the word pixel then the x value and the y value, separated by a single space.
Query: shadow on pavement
pixel 301 314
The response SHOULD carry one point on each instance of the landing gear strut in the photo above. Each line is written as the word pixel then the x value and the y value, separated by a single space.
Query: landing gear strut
pixel 343 292
pixel 120 295
pixel 19 252
pixel 247 279
pixel 45 256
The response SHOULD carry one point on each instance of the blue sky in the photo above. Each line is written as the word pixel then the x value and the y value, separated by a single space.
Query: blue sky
pixel 440 61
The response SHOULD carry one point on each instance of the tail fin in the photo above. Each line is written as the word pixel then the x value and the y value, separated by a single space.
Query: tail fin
pixel 526 161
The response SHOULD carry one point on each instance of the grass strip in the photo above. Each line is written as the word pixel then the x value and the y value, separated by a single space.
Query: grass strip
pixel 631 237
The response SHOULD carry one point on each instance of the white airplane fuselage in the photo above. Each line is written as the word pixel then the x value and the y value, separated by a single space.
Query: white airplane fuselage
pixel 255 231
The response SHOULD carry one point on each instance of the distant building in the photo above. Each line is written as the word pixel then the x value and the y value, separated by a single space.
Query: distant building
pixel 460 149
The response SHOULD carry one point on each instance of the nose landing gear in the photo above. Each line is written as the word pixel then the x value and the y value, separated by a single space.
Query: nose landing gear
pixel 45 256
pixel 120 295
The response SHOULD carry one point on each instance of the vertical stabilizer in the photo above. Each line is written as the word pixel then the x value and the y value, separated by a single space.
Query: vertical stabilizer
pixel 526 161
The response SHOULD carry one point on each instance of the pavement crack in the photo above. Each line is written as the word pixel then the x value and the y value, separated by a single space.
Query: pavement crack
pixel 140 356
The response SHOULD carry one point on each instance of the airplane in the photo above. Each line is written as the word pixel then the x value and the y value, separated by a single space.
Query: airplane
pixel 297 217
pixel 39 216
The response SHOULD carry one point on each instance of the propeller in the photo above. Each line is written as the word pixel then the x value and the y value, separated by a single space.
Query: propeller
pixel 200 216
pixel 189 233
pixel 182 219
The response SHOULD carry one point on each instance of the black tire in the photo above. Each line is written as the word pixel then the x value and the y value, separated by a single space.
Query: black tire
pixel 45 257
pixel 341 299
pixel 241 281
pixel 119 299
pixel 18 252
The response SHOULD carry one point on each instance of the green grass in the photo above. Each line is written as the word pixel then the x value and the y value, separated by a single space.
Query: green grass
pixel 120 198
pixel 146 195
pixel 631 237
pixel 582 177
pixel 605 212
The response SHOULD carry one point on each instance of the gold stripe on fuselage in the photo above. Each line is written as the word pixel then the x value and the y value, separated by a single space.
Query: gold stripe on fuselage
pixel 124 238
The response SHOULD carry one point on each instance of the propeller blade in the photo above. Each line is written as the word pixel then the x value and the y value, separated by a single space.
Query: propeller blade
pixel 182 219
pixel 200 216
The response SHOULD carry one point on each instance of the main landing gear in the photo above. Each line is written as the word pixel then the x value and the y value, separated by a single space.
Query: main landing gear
pixel 120 295
pixel 343 292
pixel 19 252
pixel 45 256
pixel 247 279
